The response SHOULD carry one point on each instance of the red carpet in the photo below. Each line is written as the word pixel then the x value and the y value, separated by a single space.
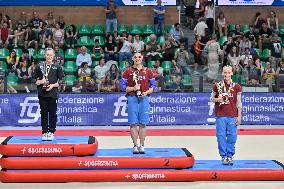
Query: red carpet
pixel 150 132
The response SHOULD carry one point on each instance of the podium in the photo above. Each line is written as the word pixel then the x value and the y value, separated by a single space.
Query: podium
pixel 80 160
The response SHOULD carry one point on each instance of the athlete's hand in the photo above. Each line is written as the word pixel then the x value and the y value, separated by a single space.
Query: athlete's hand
pixel 239 120
pixel 50 87
pixel 42 81
pixel 144 94
pixel 220 98
pixel 136 87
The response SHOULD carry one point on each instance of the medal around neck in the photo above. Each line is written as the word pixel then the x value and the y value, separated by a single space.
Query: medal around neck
pixel 223 92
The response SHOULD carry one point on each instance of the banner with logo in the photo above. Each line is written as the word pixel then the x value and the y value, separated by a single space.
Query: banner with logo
pixel 111 109
pixel 82 2
pixel 251 2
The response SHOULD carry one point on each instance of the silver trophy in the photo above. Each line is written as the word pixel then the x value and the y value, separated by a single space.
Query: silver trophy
pixel 45 71
pixel 135 79
pixel 220 86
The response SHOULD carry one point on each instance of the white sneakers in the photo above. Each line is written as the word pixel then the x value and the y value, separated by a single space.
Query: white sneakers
pixel 227 161
pixel 138 150
pixel 47 136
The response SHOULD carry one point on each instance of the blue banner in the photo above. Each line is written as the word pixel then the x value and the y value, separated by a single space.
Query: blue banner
pixel 81 2
pixel 111 109
pixel 251 2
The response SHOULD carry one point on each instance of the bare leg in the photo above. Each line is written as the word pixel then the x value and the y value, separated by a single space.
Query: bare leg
pixel 134 134
pixel 142 134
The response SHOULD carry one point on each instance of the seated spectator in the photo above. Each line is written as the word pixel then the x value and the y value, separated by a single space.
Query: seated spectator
pixel 246 58
pixel 254 70
pixel 83 57
pixel 36 24
pixel 6 20
pixel 24 75
pixel 108 85
pixel 177 85
pixel 222 25
pixel 158 74
pixel 26 57
pixel 127 65
pixel 18 35
pixel 30 38
pixel 58 58
pixel 244 43
pixel 110 49
pixel 280 75
pixel 237 33
pixel 97 49
pixel 84 72
pixel 4 36
pixel 252 36
pixel 23 19
pixel 258 21
pixel 200 28
pixel 91 86
pixel 71 35
pixel 265 36
pixel 138 45
pixel 175 71
pixel 76 87
pixel 153 49
pixel 61 22
pixel 101 71
pixel 169 48
pixel 12 61
pixel 228 47
pixel 58 36
pixel 114 74
pixel 234 60
pixel 272 22
pixel 62 86
pixel 197 52
pixel 178 35
pixel 276 49
pixel 50 21
pixel 45 36
pixel 126 49
pixel 268 75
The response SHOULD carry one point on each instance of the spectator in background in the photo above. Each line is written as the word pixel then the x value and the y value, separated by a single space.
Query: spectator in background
pixel 153 49
pixel 175 71
pixel 237 33
pixel 177 85
pixel 108 85
pixel 252 36
pixel 178 35
pixel 6 19
pixel 182 58
pixel 83 57
pixel 200 8
pixel 58 36
pixel 84 72
pixel 26 57
pixel 97 49
pixel 258 21
pixel 91 86
pixel 245 43
pixel 246 58
pixel 276 49
pixel 169 48
pixel 19 35
pixel 138 45
pixel 23 19
pixel 222 24
pixel 24 75
pixel 4 36
pixel 36 24
pixel 50 21
pixel 71 35
pixel 272 22
pixel 234 60
pixel 126 49
pixel 228 47
pixel 111 17
pixel 265 36
pixel 101 71
pixel 280 70
pixel 12 61
pixel 30 38
pixel 200 28
pixel 76 87
pixel 110 49
pixel 114 75
pixel 189 12
pixel 159 18
pixel 268 76
pixel 254 70
pixel 58 57
pixel 210 15
pixel 158 75
pixel 45 36
pixel 61 22
pixel 127 65
pixel 197 52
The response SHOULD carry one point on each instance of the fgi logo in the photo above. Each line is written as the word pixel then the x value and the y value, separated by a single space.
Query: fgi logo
pixel 120 110
pixel 30 110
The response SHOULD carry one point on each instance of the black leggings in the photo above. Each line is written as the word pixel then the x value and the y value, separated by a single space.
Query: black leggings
pixel 48 109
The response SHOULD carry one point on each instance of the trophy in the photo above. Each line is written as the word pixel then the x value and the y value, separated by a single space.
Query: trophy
pixel 45 71
pixel 220 85
pixel 135 79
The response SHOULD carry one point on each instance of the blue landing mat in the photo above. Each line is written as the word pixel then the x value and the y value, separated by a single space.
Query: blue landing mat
pixel 57 140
